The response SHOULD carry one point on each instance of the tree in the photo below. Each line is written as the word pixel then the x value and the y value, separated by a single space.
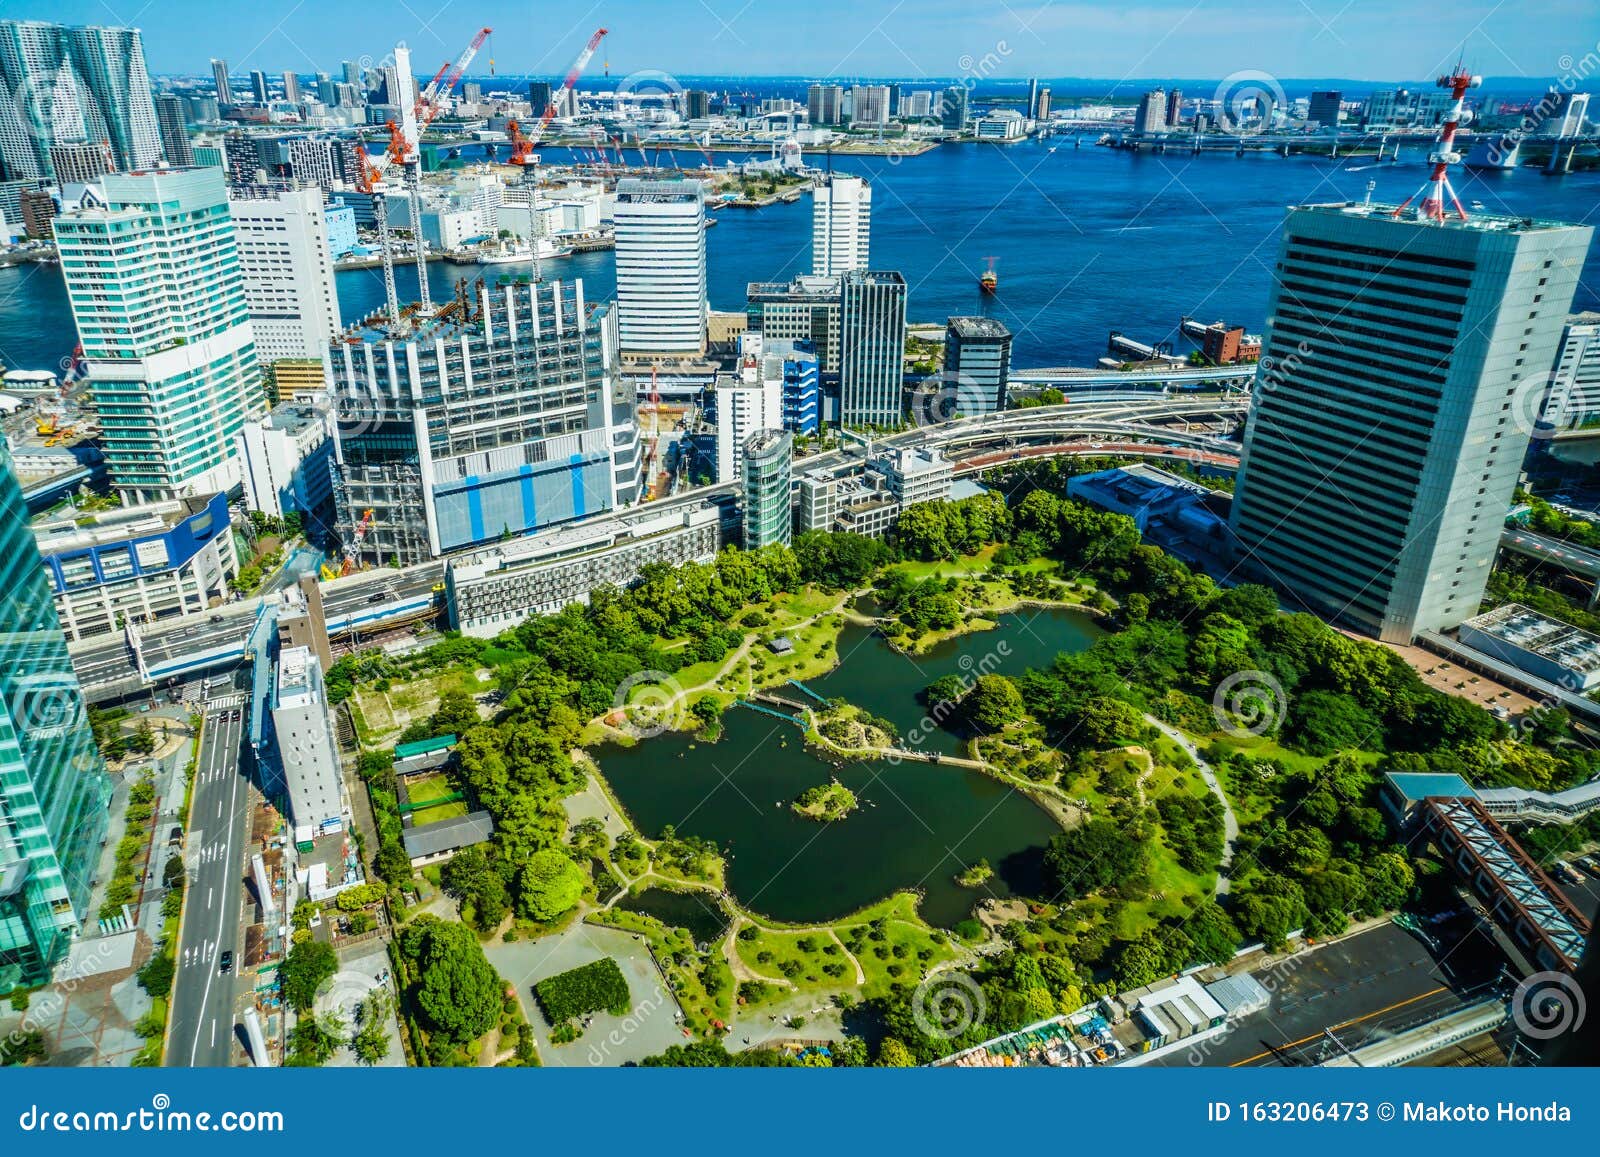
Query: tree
pixel 993 702
pixel 1322 722
pixel 1092 856
pixel 371 1042
pixel 302 972
pixel 892 1053
pixel 550 884
pixel 156 976
pixel 314 1039
pixel 460 994
pixel 944 693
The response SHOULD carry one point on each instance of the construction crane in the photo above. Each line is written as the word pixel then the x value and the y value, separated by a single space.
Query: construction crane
pixel 368 180
pixel 429 103
pixel 356 540
pixel 521 147
pixel 573 73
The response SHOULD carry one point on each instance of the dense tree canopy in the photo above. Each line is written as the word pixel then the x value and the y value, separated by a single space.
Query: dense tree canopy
pixel 458 993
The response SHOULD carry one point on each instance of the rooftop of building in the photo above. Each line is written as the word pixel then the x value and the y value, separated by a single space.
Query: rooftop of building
pixel 641 189
pixel 910 461
pixel 294 672
pixel 448 835
pixel 874 277
pixel 978 328
pixel 805 285
pixel 81 531
pixel 1561 643
pixel 1476 221
pixel 1420 785
pixel 764 442
pixel 296 417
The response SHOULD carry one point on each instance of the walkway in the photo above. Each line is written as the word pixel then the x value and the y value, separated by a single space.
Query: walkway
pixel 1230 822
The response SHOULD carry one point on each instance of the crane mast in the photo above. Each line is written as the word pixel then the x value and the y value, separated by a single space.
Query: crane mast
pixel 429 103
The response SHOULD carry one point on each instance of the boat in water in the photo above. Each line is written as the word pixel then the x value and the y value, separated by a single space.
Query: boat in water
pixel 988 280
pixel 510 254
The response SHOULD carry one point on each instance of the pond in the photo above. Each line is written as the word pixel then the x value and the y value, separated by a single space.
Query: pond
pixel 697 911
pixel 918 825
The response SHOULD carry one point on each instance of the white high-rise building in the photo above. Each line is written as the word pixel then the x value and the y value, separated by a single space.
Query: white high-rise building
pixel 1403 366
pixel 307 749
pixel 156 290
pixel 745 403
pixel 841 225
pixel 869 104
pixel 1574 398
pixel 661 267
pixel 288 273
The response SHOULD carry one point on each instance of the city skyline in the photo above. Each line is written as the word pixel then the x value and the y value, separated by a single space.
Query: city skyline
pixel 942 39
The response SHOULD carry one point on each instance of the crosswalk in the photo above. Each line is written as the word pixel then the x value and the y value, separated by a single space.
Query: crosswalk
pixel 224 702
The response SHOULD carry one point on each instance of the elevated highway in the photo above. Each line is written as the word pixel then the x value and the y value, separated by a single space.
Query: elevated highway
pixel 1152 424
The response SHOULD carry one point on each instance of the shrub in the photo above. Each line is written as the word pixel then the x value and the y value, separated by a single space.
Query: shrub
pixel 580 991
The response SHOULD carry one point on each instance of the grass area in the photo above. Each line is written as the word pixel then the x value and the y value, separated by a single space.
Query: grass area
pixel 703 983
pixel 888 939
pixel 382 713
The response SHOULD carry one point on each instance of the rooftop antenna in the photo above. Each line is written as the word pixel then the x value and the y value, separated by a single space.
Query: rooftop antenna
pixel 1438 187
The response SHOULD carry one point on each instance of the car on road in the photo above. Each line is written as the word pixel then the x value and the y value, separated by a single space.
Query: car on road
pixel 233 716
pixel 225 963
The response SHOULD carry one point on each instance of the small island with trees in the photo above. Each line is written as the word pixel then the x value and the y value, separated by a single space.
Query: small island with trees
pixel 976 876
pixel 825 802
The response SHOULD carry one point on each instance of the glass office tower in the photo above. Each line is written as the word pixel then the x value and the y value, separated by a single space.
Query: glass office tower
pixel 54 789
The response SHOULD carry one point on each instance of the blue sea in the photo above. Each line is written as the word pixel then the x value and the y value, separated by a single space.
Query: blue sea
pixel 1085 240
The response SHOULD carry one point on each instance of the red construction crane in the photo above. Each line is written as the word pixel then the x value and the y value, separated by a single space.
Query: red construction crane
pixel 573 73
pixel 432 98
pixel 521 147
pixel 356 540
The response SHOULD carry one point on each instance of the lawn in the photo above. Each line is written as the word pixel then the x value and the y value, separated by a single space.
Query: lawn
pixel 430 787
pixel 889 939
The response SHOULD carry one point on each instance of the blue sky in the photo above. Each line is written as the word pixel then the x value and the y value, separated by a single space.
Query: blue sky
pixel 1360 39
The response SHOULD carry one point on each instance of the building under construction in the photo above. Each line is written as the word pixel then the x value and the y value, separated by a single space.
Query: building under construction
pixel 494 416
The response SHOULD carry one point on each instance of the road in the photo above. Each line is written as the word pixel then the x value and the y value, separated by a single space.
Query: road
pixel 202 1021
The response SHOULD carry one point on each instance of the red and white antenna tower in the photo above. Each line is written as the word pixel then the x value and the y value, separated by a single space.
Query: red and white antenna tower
pixel 1444 155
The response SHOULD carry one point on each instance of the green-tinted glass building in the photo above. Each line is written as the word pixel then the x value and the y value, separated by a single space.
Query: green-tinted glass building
pixel 54 789
pixel 158 297
pixel 768 466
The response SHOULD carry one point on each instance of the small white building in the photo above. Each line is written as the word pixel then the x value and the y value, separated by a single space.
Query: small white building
pixel 745 402
pixel 284 459
pixel 307 747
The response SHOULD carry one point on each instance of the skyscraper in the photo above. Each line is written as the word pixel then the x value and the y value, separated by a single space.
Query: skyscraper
pixel 1389 419
pixel 661 267
pixel 223 82
pixel 745 402
pixel 538 96
pixel 54 790
pixel 872 343
pixel 953 109
pixel 174 130
pixel 1174 107
pixel 291 87
pixel 824 103
pixel 768 474
pixel 869 104
pixel 1323 109
pixel 841 225
pixel 258 86
pixel 1151 115
pixel 696 103
pixel 1574 398
pixel 327 90
pixel 977 362
pixel 1033 98
pixel 74 86
pixel 288 273
pixel 352 72
pixel 154 282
